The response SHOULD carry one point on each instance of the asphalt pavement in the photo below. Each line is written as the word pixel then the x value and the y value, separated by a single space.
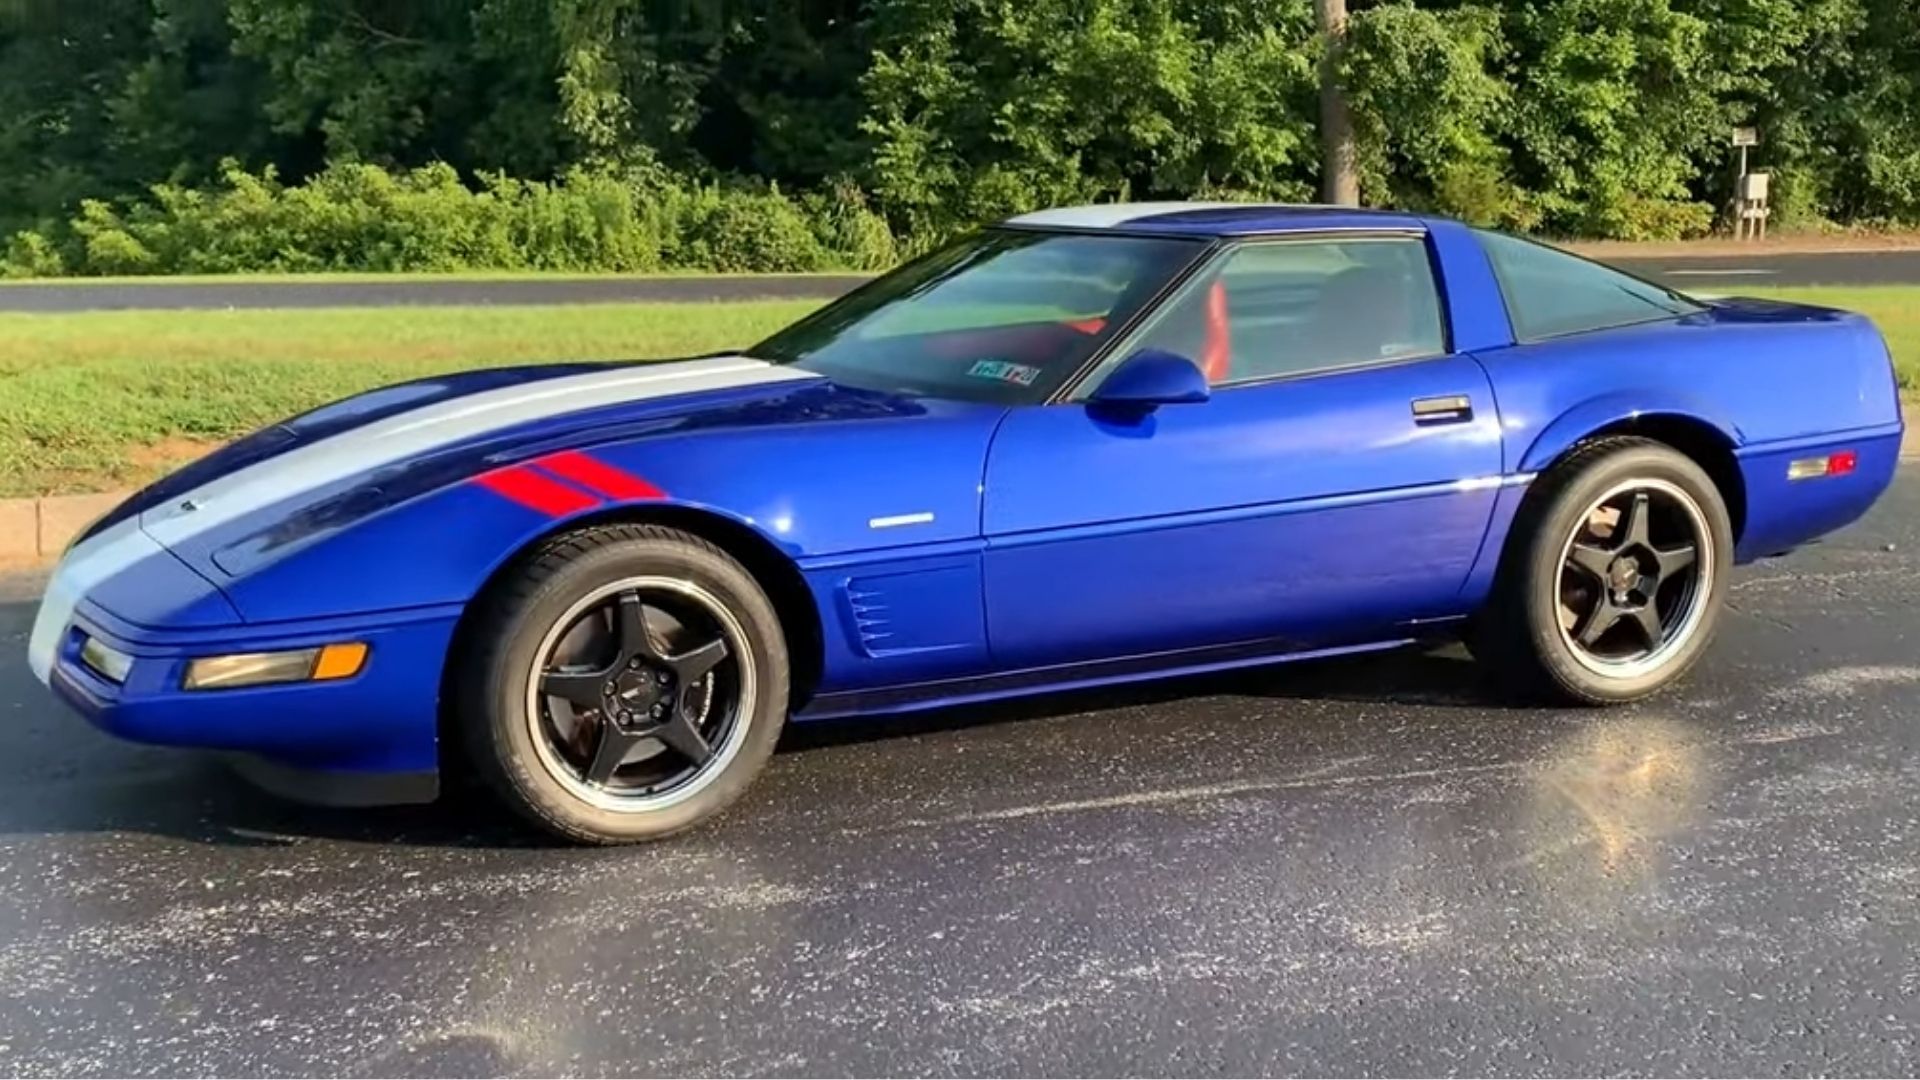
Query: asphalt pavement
pixel 1374 866
pixel 1727 273
pixel 1719 274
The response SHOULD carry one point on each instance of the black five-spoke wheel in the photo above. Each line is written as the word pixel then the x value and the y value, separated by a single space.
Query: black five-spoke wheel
pixel 1612 581
pixel 1631 574
pixel 627 681
pixel 638 691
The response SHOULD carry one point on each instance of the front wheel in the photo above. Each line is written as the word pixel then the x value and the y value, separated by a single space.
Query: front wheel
pixel 628 682
pixel 1615 576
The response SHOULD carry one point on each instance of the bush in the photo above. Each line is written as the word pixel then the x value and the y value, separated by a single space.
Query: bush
pixel 30 255
pixel 850 229
pixel 359 217
pixel 762 232
pixel 587 221
pixel 1479 193
pixel 1796 202
pixel 107 246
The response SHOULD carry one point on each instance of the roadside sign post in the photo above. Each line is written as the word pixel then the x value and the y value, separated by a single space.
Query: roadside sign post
pixel 1750 191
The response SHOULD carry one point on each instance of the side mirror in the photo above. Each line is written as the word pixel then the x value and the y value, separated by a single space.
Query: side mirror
pixel 1153 377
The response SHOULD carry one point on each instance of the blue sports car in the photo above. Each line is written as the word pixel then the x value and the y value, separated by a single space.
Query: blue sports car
pixel 1084 446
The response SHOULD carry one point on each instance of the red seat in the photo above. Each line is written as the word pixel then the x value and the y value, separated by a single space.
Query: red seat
pixel 1216 354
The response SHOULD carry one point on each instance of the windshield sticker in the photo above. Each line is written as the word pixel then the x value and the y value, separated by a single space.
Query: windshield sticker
pixel 1004 371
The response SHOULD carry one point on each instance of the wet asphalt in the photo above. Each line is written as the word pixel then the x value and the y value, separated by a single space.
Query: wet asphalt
pixel 1720 274
pixel 1373 866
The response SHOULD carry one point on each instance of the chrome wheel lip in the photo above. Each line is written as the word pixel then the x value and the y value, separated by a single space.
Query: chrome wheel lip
pixel 1697 599
pixel 603 798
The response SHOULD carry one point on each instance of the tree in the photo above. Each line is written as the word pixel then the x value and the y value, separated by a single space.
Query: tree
pixel 1575 117
pixel 1339 180
pixel 981 108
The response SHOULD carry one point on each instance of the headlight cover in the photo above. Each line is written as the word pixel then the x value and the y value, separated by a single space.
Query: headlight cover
pixel 319 664
pixel 105 660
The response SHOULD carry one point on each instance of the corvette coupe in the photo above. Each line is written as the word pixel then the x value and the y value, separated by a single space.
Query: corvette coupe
pixel 1083 446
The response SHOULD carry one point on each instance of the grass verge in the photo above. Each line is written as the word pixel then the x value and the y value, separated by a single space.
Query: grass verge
pixel 102 400
pixel 96 401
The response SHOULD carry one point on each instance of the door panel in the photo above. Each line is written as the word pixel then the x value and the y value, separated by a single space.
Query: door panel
pixel 1312 508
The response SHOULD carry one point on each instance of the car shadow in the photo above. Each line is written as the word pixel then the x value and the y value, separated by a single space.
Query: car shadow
pixel 59 776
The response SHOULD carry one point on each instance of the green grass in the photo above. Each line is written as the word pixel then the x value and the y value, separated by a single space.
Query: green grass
pixel 95 401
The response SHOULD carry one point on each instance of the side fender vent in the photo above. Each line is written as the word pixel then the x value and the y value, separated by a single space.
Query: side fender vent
pixel 914 612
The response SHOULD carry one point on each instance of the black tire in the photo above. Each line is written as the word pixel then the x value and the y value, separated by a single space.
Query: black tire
pixel 1522 633
pixel 500 711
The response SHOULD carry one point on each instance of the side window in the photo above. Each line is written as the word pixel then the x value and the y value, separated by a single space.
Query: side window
pixel 1550 293
pixel 1276 308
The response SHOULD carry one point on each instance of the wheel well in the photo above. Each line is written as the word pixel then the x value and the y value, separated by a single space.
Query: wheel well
pixel 773 571
pixel 1698 440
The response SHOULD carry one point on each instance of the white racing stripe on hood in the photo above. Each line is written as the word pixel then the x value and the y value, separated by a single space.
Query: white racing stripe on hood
pixel 87 565
pixel 417 431
pixel 360 450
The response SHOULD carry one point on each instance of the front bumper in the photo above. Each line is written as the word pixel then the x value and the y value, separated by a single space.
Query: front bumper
pixel 371 737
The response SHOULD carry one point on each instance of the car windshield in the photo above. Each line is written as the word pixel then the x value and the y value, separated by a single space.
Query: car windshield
pixel 1003 316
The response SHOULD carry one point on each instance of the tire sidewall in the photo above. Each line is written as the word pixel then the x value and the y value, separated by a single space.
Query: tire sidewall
pixel 1542 580
pixel 508 744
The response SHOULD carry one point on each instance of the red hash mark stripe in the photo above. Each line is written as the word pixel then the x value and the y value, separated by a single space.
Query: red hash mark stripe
pixel 536 492
pixel 597 475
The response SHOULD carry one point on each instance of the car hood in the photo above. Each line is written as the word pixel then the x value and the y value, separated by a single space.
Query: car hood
pixel 466 415
pixel 322 496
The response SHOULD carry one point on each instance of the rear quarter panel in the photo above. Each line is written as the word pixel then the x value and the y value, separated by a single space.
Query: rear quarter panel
pixel 1777 381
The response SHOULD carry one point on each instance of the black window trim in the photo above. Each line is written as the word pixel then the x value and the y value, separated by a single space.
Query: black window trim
pixel 1506 298
pixel 1225 248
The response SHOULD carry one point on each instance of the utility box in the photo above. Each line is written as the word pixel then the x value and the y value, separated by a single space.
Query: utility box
pixel 1750 206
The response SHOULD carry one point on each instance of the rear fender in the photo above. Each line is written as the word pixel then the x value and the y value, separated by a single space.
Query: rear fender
pixel 1620 413
pixel 1613 410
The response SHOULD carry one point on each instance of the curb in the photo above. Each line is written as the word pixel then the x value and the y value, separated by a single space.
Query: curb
pixel 33 530
pixel 37 530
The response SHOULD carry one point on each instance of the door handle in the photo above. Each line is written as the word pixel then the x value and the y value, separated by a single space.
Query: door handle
pixel 1446 409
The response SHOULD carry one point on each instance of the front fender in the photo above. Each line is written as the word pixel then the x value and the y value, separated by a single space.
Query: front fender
pixel 1607 410
pixel 434 531
pixel 437 549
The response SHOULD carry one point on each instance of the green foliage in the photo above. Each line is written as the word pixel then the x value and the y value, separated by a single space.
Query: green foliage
pixel 752 231
pixel 1609 103
pixel 982 108
pixel 30 254
pixel 360 217
pixel 848 227
pixel 640 134
pixel 1428 111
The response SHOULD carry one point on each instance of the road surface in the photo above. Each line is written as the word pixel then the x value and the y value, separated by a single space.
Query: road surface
pixel 1720 275
pixel 1360 867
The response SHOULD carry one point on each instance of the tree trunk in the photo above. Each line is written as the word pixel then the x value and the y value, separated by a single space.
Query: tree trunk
pixel 1339 184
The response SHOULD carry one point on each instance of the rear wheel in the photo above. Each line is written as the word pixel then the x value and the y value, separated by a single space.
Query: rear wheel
pixel 627 683
pixel 1614 580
